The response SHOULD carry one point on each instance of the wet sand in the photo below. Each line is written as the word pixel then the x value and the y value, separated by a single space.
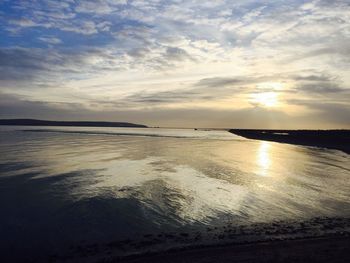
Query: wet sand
pixel 314 240
pixel 330 249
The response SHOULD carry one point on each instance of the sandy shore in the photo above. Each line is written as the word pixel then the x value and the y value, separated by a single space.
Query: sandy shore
pixel 314 240
pixel 330 249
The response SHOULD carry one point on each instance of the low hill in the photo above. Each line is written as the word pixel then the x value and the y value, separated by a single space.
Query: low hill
pixel 33 122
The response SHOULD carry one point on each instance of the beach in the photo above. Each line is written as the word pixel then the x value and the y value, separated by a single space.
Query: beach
pixel 328 249
pixel 316 240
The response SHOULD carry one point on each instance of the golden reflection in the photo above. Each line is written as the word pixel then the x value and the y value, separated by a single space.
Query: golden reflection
pixel 263 158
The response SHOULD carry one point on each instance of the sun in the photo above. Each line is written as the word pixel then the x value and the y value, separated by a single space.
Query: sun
pixel 266 99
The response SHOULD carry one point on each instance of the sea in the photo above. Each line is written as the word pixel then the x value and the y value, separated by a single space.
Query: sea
pixel 64 190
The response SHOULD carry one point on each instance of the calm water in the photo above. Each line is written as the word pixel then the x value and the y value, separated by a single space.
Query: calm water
pixel 65 186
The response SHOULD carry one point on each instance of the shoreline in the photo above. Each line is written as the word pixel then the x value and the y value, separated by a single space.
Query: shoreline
pixel 320 249
pixel 330 139
pixel 243 243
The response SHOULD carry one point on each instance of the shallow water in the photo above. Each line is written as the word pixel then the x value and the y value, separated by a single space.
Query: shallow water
pixel 63 186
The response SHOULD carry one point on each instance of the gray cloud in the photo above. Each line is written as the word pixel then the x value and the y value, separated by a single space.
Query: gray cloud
pixel 175 53
pixel 328 115
pixel 11 106
pixel 220 82
pixel 139 52
pixel 28 64
pixel 341 49
pixel 318 84
pixel 22 64
pixel 175 96
pixel 327 111
pixel 320 87
pixel 319 78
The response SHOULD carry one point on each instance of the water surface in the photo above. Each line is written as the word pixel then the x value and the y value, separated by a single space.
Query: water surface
pixel 63 186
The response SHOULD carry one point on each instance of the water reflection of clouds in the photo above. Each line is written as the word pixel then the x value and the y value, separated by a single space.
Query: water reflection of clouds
pixel 190 180
pixel 182 192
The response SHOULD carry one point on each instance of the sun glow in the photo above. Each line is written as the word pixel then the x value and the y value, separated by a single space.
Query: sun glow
pixel 266 99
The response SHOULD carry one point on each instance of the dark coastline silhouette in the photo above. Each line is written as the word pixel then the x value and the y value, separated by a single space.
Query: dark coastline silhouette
pixel 332 139
pixel 34 122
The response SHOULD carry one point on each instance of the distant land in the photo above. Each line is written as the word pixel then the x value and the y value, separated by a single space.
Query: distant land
pixel 332 139
pixel 33 122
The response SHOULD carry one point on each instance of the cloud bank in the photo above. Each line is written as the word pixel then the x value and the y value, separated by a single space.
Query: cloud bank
pixel 178 63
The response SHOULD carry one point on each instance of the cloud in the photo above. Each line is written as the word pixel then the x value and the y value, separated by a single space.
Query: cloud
pixel 21 63
pixel 326 115
pixel 175 53
pixel 83 27
pixel 11 106
pixel 59 15
pixel 118 54
pixel 320 87
pixel 320 78
pixel 318 84
pixel 167 97
pixel 99 7
pixel 220 82
pixel 340 50
pixel 50 40
pixel 328 111
pixel 23 22
pixel 34 67
pixel 95 7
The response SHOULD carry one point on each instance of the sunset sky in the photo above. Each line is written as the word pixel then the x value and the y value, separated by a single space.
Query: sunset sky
pixel 193 63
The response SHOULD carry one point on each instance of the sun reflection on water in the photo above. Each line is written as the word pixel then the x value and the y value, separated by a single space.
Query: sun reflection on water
pixel 263 158
pixel 159 182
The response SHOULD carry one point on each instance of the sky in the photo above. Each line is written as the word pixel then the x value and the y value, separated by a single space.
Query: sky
pixel 176 63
